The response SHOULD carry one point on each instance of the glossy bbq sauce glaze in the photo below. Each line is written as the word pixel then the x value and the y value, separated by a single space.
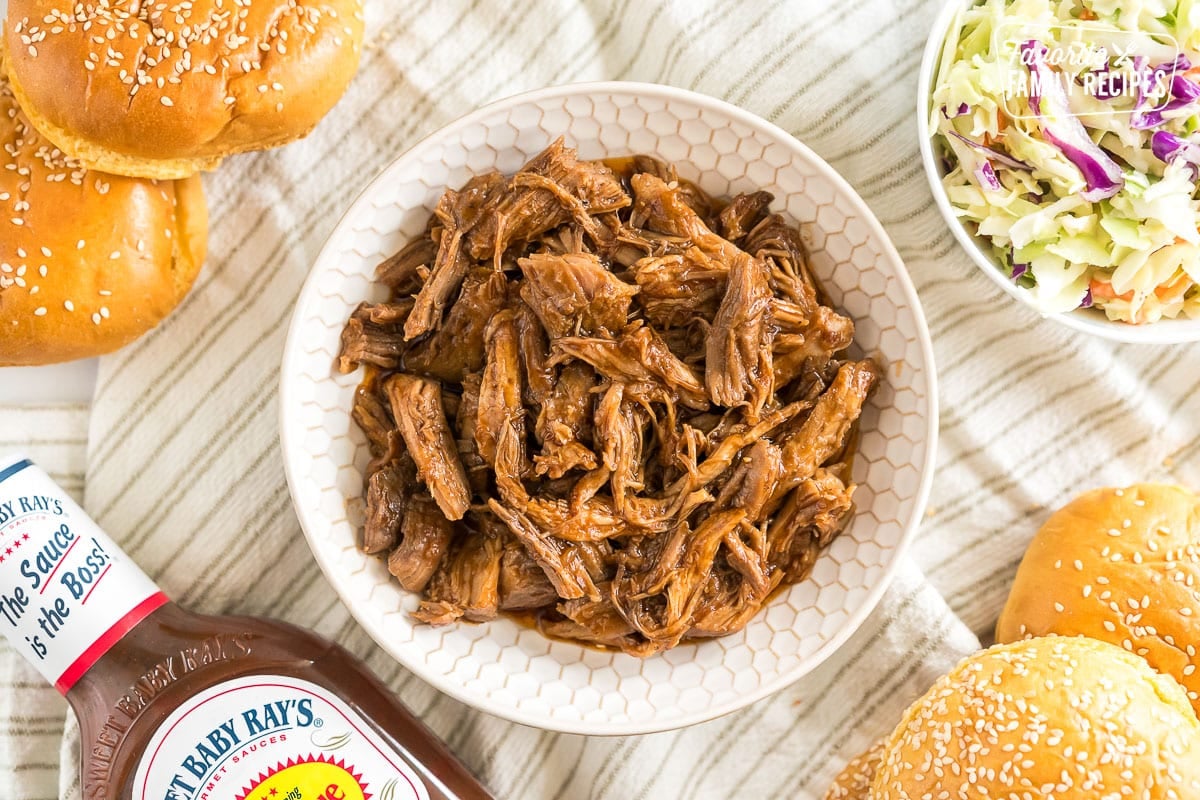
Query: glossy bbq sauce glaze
pixel 179 706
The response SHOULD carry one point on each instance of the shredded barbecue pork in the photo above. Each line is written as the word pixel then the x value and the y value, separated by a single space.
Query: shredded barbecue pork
pixel 606 401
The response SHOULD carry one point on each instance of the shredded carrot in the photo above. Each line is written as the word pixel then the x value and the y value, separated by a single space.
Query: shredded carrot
pixel 1173 290
pixel 1087 13
pixel 1001 120
pixel 1103 290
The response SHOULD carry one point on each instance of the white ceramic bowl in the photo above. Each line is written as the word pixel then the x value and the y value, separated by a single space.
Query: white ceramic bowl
pixel 514 672
pixel 1087 320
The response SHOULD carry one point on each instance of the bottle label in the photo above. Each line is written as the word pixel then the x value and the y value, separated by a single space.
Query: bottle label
pixel 271 737
pixel 67 593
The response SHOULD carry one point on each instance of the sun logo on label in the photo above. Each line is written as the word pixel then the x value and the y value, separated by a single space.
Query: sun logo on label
pixel 308 778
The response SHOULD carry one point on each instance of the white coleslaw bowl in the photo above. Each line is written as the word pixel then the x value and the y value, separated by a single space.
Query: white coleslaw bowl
pixel 1086 320
pixel 512 671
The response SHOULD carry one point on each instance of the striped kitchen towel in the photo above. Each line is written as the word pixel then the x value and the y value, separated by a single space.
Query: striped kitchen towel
pixel 32 713
pixel 183 462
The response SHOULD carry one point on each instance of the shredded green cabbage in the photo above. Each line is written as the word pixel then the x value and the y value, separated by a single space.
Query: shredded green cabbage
pixel 1133 254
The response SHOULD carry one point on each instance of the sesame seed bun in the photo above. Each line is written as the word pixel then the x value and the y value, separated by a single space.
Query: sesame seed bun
pixel 163 90
pixel 1056 717
pixel 88 261
pixel 1122 566
pixel 854 781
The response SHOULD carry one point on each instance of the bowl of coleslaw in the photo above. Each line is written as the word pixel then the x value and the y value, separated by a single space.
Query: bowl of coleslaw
pixel 1062 143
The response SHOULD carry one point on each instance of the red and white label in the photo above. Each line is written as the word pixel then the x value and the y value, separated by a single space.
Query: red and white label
pixel 67 593
pixel 271 737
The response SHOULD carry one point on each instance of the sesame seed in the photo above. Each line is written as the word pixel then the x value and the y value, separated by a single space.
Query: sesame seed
pixel 104 311
pixel 1059 607
pixel 96 319
pixel 166 101
pixel 114 255
pixel 40 311
pixel 68 305
pixel 1109 626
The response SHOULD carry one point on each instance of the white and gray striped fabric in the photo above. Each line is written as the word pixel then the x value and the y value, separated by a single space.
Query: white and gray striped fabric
pixel 183 464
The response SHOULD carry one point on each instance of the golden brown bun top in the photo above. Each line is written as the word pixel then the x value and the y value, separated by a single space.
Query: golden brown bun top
pixel 1120 565
pixel 1069 718
pixel 88 261
pixel 854 781
pixel 180 79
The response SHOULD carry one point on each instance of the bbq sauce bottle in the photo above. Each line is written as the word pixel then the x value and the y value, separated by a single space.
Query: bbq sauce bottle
pixel 179 706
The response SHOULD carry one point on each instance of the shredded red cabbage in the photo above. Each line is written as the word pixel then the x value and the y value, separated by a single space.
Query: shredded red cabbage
pixel 1168 148
pixel 1183 93
pixel 1061 128
pixel 1018 270
pixel 1140 116
pixel 992 153
pixel 1180 64
pixel 987 178
pixel 1184 90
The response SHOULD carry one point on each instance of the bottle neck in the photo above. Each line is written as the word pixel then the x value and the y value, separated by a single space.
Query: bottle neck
pixel 68 594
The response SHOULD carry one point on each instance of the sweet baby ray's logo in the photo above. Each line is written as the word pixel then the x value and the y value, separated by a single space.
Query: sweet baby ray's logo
pixel 1087 69
pixel 319 777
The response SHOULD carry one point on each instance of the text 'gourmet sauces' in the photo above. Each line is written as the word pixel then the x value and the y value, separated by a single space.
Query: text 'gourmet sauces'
pixel 178 706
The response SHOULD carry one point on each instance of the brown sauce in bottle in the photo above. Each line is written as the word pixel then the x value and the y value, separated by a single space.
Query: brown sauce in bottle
pixel 174 705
